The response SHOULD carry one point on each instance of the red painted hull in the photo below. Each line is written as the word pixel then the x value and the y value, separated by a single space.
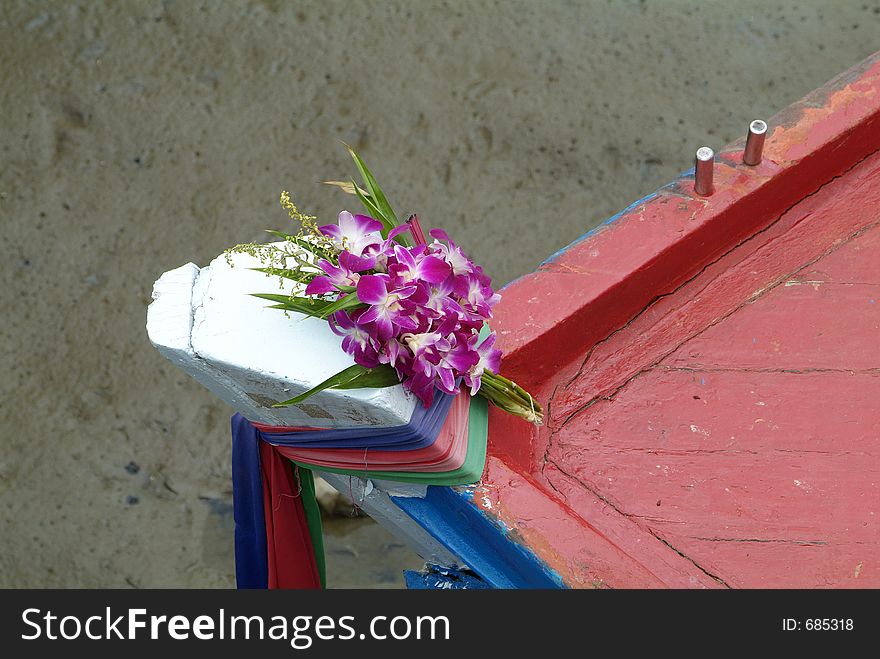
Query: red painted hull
pixel 710 368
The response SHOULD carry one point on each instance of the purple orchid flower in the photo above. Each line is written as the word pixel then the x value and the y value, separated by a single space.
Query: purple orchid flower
pixel 474 293
pixel 422 386
pixel 440 300
pixel 457 358
pixel 395 354
pixel 385 250
pixel 460 264
pixel 415 264
pixel 386 310
pixel 354 233
pixel 345 274
pixel 488 358
pixel 420 343
pixel 355 263
pixel 356 340
pixel 424 306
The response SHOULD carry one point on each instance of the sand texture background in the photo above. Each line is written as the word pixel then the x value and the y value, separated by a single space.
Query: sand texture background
pixel 138 136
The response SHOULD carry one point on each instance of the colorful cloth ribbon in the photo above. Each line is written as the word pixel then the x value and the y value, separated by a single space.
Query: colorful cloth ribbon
pixel 278 542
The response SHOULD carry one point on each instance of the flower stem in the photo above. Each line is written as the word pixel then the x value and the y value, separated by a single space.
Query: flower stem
pixel 511 398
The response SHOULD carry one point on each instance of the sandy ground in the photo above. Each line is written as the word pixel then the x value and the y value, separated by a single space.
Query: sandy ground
pixel 137 136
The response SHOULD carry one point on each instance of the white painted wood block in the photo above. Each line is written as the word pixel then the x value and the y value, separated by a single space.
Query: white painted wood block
pixel 251 356
pixel 205 322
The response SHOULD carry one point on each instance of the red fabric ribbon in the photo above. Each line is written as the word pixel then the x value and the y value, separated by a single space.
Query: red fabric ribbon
pixel 291 555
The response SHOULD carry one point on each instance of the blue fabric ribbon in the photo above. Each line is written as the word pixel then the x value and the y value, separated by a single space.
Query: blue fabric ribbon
pixel 251 558
pixel 421 431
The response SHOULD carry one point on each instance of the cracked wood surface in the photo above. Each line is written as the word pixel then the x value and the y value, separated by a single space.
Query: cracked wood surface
pixel 726 433
pixel 737 420
pixel 788 249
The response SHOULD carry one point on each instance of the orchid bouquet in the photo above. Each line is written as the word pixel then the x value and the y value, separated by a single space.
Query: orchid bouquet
pixel 408 311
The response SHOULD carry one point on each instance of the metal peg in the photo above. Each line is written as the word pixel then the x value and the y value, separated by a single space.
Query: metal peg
pixel 703 170
pixel 755 142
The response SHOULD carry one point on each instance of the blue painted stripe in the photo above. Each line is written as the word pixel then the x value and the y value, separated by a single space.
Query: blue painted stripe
pixel 460 526
pixel 686 174
pixel 435 577
pixel 598 227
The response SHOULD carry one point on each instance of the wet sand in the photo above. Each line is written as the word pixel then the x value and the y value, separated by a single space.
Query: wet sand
pixel 139 136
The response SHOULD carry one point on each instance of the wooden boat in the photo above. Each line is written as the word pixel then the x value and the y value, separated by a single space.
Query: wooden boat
pixel 710 368
pixel 712 372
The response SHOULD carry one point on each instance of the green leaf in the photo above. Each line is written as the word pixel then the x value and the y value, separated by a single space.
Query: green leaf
pixel 373 210
pixel 311 306
pixel 353 377
pixel 373 378
pixel 350 301
pixel 284 273
pixel 373 187
pixel 376 200
pixel 304 305
pixel 283 299
pixel 287 306
pixel 273 297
